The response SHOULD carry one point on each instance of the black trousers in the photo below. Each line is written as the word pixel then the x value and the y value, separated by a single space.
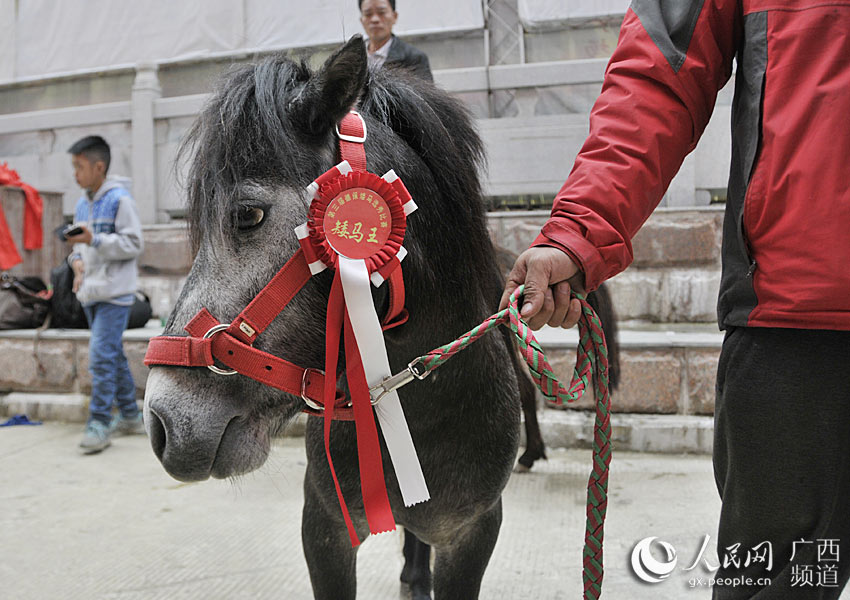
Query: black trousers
pixel 782 463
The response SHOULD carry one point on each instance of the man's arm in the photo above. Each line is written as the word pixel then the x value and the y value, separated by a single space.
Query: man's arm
pixel 657 97
pixel 76 262
pixel 127 241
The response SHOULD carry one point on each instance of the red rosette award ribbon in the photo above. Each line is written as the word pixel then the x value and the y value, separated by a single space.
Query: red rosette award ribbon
pixel 356 225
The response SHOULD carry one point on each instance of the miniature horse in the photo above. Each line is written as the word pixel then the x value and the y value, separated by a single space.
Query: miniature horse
pixel 265 134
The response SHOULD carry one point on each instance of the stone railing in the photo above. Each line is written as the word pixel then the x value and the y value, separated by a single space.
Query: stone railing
pixel 530 148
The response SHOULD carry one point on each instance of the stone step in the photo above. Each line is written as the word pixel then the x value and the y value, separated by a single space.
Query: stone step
pixel 64 407
pixel 672 434
pixel 56 360
pixel 665 369
pixel 670 238
pixel 73 407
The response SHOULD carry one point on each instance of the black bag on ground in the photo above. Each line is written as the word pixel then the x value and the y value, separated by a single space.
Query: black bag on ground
pixel 21 306
pixel 141 311
pixel 68 312
pixel 66 309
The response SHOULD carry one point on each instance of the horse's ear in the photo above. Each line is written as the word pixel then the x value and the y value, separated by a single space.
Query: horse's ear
pixel 334 89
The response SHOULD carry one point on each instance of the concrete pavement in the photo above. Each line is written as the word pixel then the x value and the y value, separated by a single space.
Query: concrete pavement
pixel 116 526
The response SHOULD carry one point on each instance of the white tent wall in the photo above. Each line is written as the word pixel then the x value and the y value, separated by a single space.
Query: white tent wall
pixel 8 33
pixel 58 37
pixel 547 13
pixel 61 37
pixel 284 24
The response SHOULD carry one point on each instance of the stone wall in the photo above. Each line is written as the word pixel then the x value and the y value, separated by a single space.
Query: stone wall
pixel 675 276
pixel 59 360
pixel 665 303
pixel 654 380
pixel 529 87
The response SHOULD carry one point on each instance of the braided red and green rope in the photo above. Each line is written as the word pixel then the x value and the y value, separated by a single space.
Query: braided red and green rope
pixel 591 361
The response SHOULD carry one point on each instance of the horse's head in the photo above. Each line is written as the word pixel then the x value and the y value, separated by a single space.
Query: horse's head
pixel 266 133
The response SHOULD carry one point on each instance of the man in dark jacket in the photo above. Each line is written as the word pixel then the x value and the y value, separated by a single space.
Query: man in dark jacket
pixel 782 411
pixel 378 18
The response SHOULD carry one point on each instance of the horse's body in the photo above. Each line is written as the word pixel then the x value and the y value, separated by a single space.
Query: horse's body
pixel 264 136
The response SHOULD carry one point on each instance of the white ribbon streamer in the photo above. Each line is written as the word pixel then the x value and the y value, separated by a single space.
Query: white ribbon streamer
pixel 376 365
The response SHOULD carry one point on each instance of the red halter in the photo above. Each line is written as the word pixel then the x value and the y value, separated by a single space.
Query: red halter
pixel 234 347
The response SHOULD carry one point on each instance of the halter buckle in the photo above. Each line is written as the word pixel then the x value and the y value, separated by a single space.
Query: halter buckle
pixel 212 331
pixel 308 401
pixel 351 138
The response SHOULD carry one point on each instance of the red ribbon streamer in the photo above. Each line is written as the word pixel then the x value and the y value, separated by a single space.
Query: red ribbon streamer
pixel 333 328
pixel 375 501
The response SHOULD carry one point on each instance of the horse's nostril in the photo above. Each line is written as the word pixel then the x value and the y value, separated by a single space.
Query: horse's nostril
pixel 157 435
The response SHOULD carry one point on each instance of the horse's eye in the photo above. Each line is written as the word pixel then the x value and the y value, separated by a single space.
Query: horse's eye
pixel 249 217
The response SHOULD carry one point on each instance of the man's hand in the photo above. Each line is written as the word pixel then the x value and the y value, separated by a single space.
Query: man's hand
pixel 79 271
pixel 83 238
pixel 549 275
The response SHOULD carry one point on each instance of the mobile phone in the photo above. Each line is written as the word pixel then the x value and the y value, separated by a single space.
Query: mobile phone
pixel 66 231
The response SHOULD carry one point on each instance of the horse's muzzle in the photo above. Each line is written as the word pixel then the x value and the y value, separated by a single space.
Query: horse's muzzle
pixel 201 433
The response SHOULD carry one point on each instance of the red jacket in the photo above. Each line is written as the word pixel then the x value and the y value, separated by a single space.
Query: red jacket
pixel 786 237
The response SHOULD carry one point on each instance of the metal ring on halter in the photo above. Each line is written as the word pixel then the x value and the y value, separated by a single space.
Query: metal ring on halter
pixel 308 401
pixel 351 138
pixel 214 330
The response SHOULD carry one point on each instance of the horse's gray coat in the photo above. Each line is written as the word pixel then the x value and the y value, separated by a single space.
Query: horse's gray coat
pixel 265 134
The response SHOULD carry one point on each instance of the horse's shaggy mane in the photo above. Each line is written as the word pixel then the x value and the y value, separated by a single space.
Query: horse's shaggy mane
pixel 240 135
pixel 255 119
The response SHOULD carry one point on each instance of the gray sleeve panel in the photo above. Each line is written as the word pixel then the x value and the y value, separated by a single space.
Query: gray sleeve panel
pixel 737 295
pixel 749 90
pixel 670 24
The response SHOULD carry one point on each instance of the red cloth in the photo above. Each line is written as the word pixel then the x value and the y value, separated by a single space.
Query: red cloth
pixel 9 256
pixel 33 209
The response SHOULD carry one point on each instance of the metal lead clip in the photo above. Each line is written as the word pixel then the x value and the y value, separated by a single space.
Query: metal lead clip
pixel 415 370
